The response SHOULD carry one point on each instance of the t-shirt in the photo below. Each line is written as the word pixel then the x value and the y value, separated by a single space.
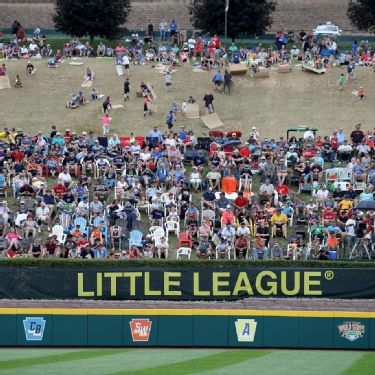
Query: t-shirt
pixel 357 136
pixel 350 227
pixel 208 99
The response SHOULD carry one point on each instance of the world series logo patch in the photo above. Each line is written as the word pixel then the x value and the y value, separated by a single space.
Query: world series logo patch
pixel 352 331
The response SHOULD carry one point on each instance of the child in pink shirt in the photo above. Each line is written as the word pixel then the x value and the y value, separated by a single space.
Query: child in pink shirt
pixel 106 120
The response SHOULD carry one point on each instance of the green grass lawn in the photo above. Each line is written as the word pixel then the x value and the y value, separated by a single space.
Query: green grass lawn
pixel 184 361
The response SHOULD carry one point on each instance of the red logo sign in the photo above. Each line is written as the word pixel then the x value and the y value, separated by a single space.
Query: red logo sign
pixel 140 329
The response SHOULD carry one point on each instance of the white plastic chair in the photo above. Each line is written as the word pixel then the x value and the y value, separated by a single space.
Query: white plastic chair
pixel 343 185
pixel 144 205
pixel 172 226
pixel 346 174
pixel 20 219
pixel 58 230
pixel 157 234
pixel 359 186
pixel 153 229
pixel 184 251
pixel 209 214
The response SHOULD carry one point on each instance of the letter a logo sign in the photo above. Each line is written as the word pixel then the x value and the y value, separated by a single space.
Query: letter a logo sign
pixel 140 329
pixel 245 329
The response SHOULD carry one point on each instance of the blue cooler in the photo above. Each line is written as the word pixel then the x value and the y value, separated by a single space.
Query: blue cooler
pixel 332 255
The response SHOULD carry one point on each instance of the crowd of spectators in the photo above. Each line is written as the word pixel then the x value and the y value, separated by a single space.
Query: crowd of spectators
pixel 223 196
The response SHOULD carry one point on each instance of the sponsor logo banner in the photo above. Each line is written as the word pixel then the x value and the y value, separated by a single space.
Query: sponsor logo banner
pixel 351 331
pixel 245 329
pixel 140 329
pixel 34 328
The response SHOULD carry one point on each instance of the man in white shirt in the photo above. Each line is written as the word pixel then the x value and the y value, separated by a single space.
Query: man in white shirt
pixel 65 178
pixel 33 48
pixel 254 133
pixel 83 208
pixel 266 191
pixel 321 195
pixel 351 231
pixel 294 52
pixel 243 229
pixel 308 134
pixel 344 151
pixel 126 63
pixel 192 42
pixel 162 30
pixel 43 215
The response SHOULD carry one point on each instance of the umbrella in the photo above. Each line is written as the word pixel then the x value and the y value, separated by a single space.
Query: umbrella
pixel 232 143
pixel 366 205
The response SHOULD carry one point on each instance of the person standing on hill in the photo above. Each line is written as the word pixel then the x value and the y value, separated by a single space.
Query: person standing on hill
pixel 227 81
pixel 126 90
pixel 209 103
pixel 341 81
pixel 162 30
pixel 150 29
pixel 173 27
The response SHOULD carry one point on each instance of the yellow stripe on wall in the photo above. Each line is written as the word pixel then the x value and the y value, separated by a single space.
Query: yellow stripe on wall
pixel 187 312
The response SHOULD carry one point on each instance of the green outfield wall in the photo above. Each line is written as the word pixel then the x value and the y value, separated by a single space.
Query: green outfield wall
pixel 187 328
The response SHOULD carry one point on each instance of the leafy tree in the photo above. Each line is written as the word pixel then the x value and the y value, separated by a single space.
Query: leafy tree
pixel 362 14
pixel 244 16
pixel 91 17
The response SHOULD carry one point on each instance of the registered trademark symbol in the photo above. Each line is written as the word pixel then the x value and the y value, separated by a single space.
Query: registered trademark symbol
pixel 329 275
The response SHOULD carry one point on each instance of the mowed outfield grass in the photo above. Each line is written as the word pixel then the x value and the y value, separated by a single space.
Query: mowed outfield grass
pixel 184 362
pixel 272 104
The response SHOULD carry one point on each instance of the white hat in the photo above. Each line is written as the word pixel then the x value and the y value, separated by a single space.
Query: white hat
pixel 254 128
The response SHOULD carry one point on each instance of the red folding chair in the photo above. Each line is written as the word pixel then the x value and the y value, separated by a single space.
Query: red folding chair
pixel 124 141
pixel 185 240
pixel 216 134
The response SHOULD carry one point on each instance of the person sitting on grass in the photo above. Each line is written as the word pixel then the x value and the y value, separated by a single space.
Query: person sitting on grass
pixel 18 83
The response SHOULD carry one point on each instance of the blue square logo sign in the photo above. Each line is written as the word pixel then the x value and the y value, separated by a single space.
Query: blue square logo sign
pixel 34 328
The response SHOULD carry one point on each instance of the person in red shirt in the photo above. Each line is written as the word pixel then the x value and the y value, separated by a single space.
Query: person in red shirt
pixel 216 40
pixel 67 136
pixel 308 153
pixel 59 190
pixel 82 242
pixel 329 217
pixel 283 190
pixel 16 155
pixel 334 143
pixel 245 152
pixel 319 143
pixel 240 202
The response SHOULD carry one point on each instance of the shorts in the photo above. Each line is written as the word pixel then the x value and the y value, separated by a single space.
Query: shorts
pixel 217 83
pixel 195 180
pixel 126 66
pixel 168 84
pixel 145 107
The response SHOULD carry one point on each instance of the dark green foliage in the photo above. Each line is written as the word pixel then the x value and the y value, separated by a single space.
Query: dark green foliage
pixel 244 16
pixel 362 14
pixel 102 263
pixel 91 17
